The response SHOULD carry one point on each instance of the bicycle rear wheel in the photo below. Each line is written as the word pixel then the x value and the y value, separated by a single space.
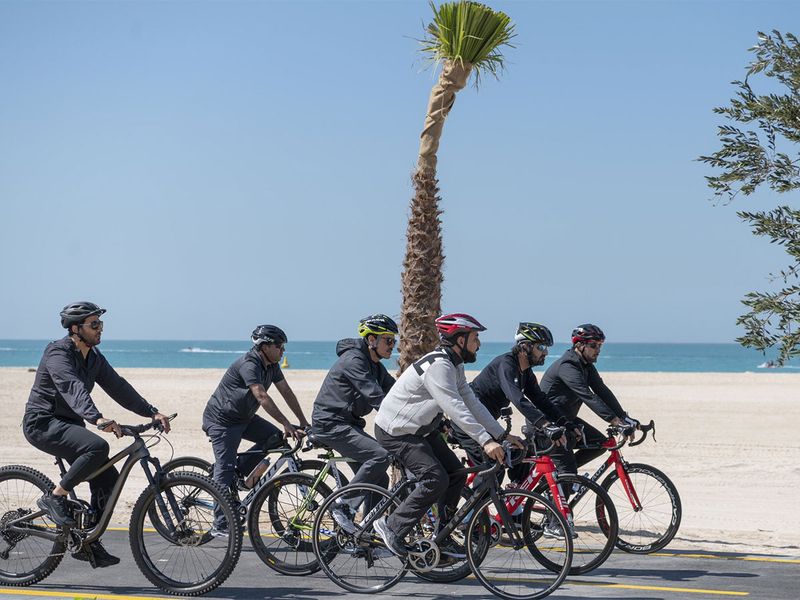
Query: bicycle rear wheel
pixel 280 523
pixel 651 527
pixel 191 464
pixel 512 567
pixel 25 559
pixel 188 560
pixel 358 562
pixel 594 523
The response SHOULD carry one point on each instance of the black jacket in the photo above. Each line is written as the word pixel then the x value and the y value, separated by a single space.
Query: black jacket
pixel 501 382
pixel 64 381
pixel 570 382
pixel 353 387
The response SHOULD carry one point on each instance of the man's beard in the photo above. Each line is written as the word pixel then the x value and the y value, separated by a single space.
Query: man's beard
pixel 468 357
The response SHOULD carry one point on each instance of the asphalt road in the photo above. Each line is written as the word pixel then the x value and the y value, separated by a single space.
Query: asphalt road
pixel 667 575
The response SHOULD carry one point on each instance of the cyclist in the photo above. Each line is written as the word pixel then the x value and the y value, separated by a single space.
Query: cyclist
pixel 573 380
pixel 354 387
pixel 408 420
pixel 230 414
pixel 509 379
pixel 59 403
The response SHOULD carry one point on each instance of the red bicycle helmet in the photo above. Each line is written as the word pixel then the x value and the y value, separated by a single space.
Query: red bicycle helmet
pixel 454 323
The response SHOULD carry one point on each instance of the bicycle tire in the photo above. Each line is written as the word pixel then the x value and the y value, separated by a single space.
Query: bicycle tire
pixel 594 522
pixel 162 560
pixel 191 464
pixel 497 567
pixel 367 565
pixel 280 541
pixel 20 488
pixel 653 527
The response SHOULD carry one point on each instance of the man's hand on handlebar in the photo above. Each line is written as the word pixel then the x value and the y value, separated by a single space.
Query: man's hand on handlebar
pixel 515 441
pixel 290 431
pixel 109 426
pixel 555 433
pixel 163 422
pixel 494 451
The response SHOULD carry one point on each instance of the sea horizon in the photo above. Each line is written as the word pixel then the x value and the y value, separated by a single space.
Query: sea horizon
pixel 219 354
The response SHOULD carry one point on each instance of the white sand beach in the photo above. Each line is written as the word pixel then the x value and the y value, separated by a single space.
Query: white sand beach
pixel 729 442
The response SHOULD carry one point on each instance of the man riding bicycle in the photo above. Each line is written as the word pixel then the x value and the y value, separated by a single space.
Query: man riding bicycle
pixel 572 381
pixel 354 387
pixel 509 379
pixel 59 403
pixel 230 414
pixel 407 425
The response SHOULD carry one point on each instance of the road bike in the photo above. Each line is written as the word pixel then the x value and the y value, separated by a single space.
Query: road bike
pixel 508 565
pixel 169 528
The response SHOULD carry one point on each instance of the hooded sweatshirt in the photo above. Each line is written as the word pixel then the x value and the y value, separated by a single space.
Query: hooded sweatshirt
pixel 353 387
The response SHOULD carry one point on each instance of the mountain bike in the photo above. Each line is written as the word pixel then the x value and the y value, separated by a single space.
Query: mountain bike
pixel 509 566
pixel 169 528
pixel 647 502
pixel 282 514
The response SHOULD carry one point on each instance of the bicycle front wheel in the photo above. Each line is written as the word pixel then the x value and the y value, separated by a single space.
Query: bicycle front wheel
pixel 356 559
pixel 650 525
pixel 594 523
pixel 280 522
pixel 192 464
pixel 188 560
pixel 24 558
pixel 512 567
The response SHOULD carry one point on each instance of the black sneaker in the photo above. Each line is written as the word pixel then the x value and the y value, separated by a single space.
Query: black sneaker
pixel 96 555
pixel 58 509
pixel 393 543
pixel 451 552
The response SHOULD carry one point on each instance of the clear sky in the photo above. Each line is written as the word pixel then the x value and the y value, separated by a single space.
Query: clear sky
pixel 202 167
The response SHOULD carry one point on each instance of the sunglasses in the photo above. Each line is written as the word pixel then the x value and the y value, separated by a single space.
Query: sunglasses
pixel 390 340
pixel 595 345
pixel 98 324
pixel 541 347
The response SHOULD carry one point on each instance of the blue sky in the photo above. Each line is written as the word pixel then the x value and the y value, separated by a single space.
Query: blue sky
pixel 202 167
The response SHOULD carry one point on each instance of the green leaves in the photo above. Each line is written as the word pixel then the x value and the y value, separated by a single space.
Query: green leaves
pixel 469 32
pixel 749 157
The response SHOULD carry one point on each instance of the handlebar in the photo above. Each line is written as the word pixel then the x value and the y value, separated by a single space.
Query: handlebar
pixel 626 432
pixel 135 430
pixel 651 426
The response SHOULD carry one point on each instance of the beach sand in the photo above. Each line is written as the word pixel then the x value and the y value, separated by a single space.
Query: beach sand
pixel 728 441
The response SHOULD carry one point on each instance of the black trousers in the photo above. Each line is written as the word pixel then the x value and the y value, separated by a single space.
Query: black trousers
pixel 85 451
pixel 433 463
pixel 372 459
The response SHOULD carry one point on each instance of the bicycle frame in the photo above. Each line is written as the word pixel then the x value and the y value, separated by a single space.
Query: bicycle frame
pixel 616 460
pixel 298 521
pixel 137 451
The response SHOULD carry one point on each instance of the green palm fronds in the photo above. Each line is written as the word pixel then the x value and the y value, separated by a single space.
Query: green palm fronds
pixel 469 32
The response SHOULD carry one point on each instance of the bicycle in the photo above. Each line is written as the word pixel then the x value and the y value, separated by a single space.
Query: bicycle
pixel 647 502
pixel 358 561
pixel 281 533
pixel 169 528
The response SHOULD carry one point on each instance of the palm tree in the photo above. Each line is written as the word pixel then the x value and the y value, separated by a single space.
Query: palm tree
pixel 465 38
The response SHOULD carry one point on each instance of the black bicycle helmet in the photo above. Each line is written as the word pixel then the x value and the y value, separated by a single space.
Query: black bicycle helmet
pixel 76 313
pixel 268 334
pixel 533 332
pixel 587 333
pixel 377 325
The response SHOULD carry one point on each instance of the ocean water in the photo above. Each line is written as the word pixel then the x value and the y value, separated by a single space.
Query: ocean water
pixel 196 354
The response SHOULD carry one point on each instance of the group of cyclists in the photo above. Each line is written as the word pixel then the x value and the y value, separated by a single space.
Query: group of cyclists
pixel 410 412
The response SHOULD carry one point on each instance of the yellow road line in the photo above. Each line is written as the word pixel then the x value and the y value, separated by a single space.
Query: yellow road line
pixel 75 595
pixel 790 561
pixel 657 588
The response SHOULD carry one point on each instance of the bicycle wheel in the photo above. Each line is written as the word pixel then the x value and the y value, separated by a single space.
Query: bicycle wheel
pixel 358 562
pixel 652 526
pixel 191 464
pixel 514 569
pixel 25 559
pixel 594 523
pixel 280 522
pixel 451 567
pixel 190 561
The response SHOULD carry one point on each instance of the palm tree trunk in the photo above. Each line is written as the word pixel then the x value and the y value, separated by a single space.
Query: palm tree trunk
pixel 422 267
